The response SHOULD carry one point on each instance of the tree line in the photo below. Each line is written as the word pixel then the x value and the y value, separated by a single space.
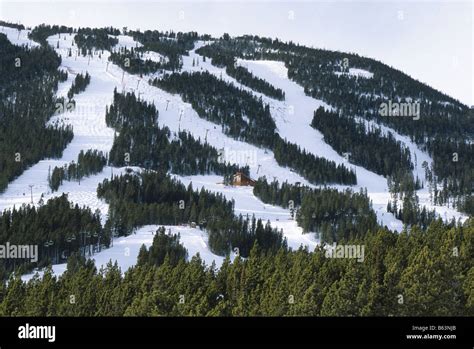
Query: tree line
pixel 12 25
pixel 79 84
pixel 171 45
pixel 404 202
pixel 41 32
pixel 131 60
pixel 89 39
pixel 367 146
pixel 88 163
pixel 408 274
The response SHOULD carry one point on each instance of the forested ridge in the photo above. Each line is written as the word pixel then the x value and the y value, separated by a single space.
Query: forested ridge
pixel 444 127
pixel 427 269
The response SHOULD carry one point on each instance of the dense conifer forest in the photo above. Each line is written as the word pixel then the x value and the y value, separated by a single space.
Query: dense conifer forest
pixel 367 146
pixel 79 85
pixel 408 274
pixel 333 215
pixel 57 227
pixel 31 77
pixel 89 39
pixel 131 60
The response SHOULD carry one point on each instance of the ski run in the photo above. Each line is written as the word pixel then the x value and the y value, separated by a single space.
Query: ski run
pixel 292 117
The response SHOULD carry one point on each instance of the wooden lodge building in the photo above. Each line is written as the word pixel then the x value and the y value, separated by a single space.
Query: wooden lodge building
pixel 240 178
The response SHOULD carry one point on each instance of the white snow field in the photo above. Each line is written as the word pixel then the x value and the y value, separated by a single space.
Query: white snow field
pixel 292 116
pixel 125 250
pixel 18 37
pixel 359 73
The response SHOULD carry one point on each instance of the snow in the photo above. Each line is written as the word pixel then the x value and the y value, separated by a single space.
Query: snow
pixel 125 249
pixel 296 128
pixel 17 37
pixel 248 204
pixel 126 41
pixel 418 157
pixel 292 117
pixel 91 132
pixel 357 72
pixel 87 120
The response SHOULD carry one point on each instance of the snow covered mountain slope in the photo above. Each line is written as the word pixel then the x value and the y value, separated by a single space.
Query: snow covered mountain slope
pixel 292 116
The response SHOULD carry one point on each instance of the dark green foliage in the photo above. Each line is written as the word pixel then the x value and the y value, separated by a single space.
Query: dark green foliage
pixel 315 169
pixel 369 148
pixel 79 84
pixel 332 214
pixel 453 164
pixel 337 215
pixel 404 203
pixel 67 228
pixel 88 163
pixel 12 25
pixel 152 147
pixel 24 137
pixel 41 32
pixel 156 198
pixel 164 246
pixel 132 62
pixel 88 39
pixel 245 77
pixel 169 44
pixel 467 205
pixel 419 266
